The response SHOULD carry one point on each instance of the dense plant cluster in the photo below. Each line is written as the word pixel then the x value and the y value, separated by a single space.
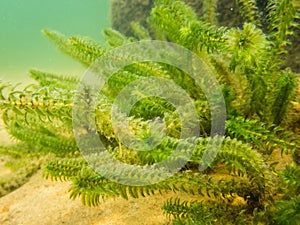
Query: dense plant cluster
pixel 258 88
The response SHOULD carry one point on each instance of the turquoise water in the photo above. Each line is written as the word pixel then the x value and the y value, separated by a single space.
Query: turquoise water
pixel 22 45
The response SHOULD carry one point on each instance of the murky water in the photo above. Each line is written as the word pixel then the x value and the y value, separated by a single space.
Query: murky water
pixel 22 46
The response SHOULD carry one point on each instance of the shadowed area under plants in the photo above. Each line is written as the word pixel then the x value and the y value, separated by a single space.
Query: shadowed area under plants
pixel 242 185
pixel 17 165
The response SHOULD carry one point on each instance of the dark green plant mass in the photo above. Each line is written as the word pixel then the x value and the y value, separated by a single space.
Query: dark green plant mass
pixel 250 65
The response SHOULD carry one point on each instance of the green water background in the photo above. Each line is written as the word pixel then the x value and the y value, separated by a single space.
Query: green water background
pixel 22 45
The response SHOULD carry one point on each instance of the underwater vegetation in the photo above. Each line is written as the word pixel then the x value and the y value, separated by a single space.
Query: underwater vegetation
pixel 227 13
pixel 243 185
pixel 123 12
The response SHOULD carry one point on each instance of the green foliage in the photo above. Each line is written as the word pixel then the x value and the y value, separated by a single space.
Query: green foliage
pixel 82 49
pixel 249 11
pixel 258 91
pixel 194 212
pixel 253 69
pixel 286 86
pixel 246 45
pixel 282 21
pixel 114 38
pixel 291 179
pixel 177 16
pixel 210 11
pixel 261 136
pixel 140 32
pixel 48 79
pixel 287 210
pixel 40 116
pixel 179 24
pixel 253 181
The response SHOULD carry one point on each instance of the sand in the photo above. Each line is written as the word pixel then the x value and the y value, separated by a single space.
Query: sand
pixel 47 202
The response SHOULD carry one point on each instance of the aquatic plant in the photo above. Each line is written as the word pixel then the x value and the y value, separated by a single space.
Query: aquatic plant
pixel 250 65
pixel 123 13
